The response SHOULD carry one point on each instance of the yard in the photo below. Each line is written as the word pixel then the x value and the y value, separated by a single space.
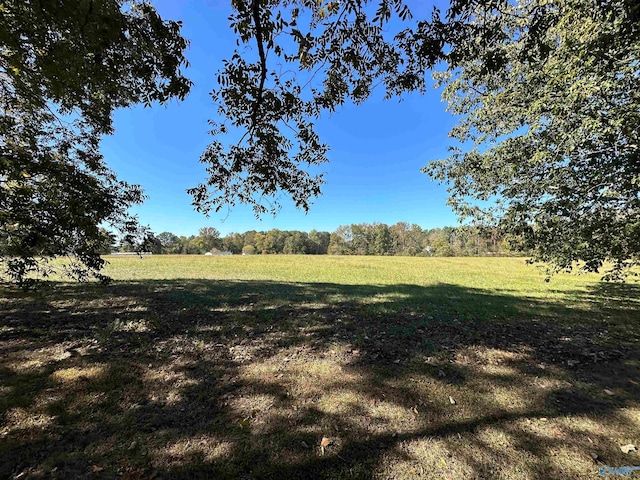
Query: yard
pixel 320 367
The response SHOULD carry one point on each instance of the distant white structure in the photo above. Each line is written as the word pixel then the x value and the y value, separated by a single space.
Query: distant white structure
pixel 131 253
pixel 218 253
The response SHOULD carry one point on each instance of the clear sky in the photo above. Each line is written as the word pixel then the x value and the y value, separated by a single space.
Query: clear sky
pixel 377 149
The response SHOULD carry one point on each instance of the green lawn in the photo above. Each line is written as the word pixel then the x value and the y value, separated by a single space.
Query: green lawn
pixel 239 367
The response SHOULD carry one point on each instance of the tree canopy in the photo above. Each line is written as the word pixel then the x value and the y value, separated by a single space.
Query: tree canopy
pixel 64 68
pixel 550 134
pixel 547 92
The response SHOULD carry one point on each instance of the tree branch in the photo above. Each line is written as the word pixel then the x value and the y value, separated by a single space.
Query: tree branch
pixel 255 6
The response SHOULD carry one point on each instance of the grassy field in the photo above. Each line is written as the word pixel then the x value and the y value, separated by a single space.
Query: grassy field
pixel 320 367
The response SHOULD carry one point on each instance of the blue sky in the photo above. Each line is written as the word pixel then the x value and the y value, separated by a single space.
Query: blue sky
pixel 377 149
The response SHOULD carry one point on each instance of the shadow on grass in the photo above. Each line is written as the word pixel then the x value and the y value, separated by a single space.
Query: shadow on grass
pixel 220 379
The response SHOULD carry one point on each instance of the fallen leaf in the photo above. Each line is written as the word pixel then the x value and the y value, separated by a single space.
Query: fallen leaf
pixel 628 448
pixel 325 442
pixel 452 400
pixel 96 469
pixel 593 455
pixel 608 392
pixel 415 410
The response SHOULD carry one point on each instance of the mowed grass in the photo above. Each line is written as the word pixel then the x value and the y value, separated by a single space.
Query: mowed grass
pixel 320 367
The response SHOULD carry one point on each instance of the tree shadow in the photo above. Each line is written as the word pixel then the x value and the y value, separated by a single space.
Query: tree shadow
pixel 243 379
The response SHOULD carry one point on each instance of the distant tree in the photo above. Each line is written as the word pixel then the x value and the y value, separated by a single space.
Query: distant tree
pixel 289 246
pixel 152 244
pixel 340 241
pixel 248 250
pixel 106 242
pixel 126 245
pixel 295 242
pixel 210 232
pixel 399 236
pixel 381 242
pixel 318 242
pixel 170 242
pixel 361 236
pixel 261 243
pixel 181 247
pixel 270 242
pixel 208 238
pixel 249 237
pixel 416 240
pixel 277 238
pixel 233 242
pixel 192 245
pixel 440 243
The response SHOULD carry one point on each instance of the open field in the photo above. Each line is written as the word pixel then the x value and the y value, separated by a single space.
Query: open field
pixel 239 367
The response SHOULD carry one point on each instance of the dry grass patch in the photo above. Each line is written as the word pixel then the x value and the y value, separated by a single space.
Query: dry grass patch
pixel 205 448
pixel 77 374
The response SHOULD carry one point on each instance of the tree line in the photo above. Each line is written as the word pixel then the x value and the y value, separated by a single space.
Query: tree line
pixel 356 239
